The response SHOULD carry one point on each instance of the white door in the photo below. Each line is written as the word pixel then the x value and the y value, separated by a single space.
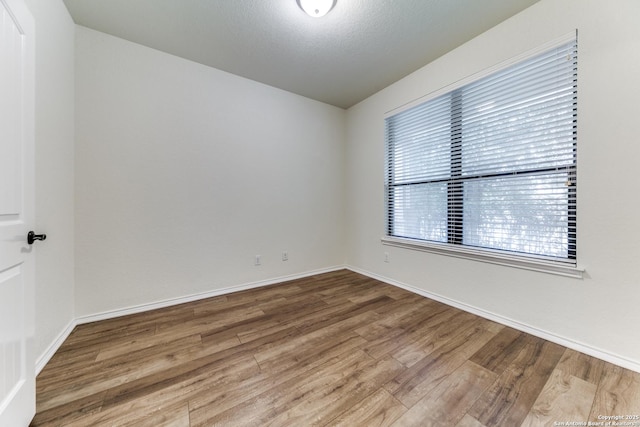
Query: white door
pixel 17 366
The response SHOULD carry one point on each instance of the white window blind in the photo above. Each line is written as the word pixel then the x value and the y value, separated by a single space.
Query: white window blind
pixel 491 165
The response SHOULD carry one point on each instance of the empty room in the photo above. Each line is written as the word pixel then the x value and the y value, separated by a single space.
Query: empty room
pixel 319 213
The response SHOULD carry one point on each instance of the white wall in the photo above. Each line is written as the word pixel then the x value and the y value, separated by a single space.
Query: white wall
pixel 184 173
pixel 54 160
pixel 601 312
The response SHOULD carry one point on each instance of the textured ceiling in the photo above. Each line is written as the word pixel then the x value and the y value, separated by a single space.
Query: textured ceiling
pixel 360 47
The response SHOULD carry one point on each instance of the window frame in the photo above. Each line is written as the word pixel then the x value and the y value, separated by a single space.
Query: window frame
pixel 565 267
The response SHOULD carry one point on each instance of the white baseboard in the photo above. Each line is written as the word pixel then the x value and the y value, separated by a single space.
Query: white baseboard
pixel 586 349
pixel 54 346
pixel 195 297
pixel 563 341
pixel 111 314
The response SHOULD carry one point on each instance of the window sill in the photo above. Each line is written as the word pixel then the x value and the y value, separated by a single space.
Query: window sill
pixel 488 256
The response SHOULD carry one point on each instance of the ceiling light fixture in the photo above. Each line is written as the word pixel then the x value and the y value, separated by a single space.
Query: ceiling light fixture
pixel 316 8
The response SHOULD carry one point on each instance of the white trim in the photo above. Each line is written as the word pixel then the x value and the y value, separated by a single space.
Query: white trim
pixel 600 354
pixel 111 314
pixel 54 346
pixel 539 264
pixel 567 268
pixel 633 365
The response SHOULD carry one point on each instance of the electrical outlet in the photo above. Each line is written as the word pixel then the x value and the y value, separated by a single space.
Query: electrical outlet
pixel 386 257
pixel 285 256
pixel 258 260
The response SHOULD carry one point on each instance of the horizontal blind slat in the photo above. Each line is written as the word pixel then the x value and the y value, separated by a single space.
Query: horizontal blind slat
pixel 491 164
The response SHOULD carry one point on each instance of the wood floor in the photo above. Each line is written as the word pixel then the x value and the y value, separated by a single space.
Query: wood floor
pixel 337 349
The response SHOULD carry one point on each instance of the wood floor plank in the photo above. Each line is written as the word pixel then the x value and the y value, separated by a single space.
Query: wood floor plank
pixel 160 401
pixel 439 331
pixel 245 330
pixel 388 336
pixel 564 397
pixel 469 421
pixel 618 392
pixel 178 373
pixel 415 382
pixel 456 331
pixel 501 351
pixel 177 416
pixel 88 343
pixel 510 399
pixel 214 401
pixel 220 378
pixel 293 304
pixel 450 400
pixel 64 359
pixel 379 409
pixel 310 341
pixel 68 411
pixel 334 349
pixel 260 409
pixel 115 374
pixel 366 307
pixel 198 370
pixel 582 366
pixel 341 392
pixel 141 344
pixel 309 353
pixel 203 324
pixel 123 326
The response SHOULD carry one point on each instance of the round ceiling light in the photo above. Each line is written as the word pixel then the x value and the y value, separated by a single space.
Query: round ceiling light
pixel 316 8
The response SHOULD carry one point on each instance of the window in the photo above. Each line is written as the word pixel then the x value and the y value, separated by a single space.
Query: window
pixel 489 168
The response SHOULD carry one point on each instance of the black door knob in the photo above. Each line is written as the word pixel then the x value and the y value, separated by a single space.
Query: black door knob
pixel 32 237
